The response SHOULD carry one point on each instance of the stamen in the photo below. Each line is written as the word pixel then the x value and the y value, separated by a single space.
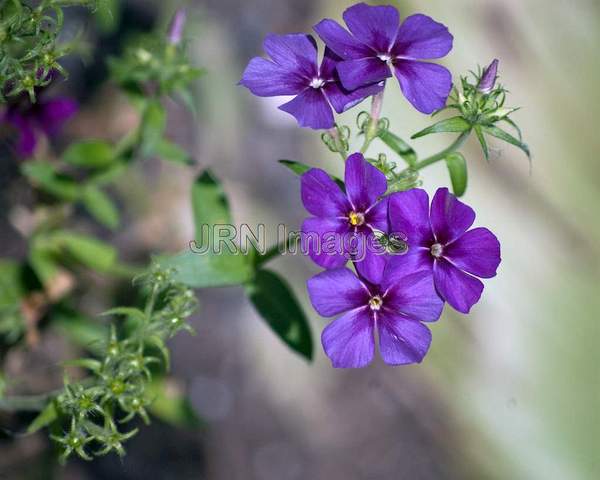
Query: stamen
pixel 375 303
pixel 317 82
pixel 384 57
pixel 437 250
pixel 356 219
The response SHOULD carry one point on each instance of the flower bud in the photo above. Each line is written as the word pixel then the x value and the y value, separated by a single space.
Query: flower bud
pixel 176 27
pixel 488 78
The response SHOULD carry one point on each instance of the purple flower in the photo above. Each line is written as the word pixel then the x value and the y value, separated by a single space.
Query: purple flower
pixel 488 78
pixel 176 27
pixel 45 116
pixel 345 221
pixel 378 43
pixel 439 243
pixel 396 307
pixel 293 70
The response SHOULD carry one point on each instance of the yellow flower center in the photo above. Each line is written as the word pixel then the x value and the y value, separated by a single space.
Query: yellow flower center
pixel 356 219
pixel 375 303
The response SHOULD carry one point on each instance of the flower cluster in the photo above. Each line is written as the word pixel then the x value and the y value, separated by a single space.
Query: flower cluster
pixel 355 64
pixel 394 291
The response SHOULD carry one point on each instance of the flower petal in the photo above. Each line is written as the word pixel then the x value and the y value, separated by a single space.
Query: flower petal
pixel 348 341
pixel 372 265
pixel 311 109
pixel 335 291
pixel 53 114
pixel 458 288
pixel 363 71
pixel 27 141
pixel 402 341
pixel 321 196
pixel 450 218
pixel 340 41
pixel 422 37
pixel 297 52
pixel 340 98
pixel 267 79
pixel 324 241
pixel 476 252
pixel 364 183
pixel 400 266
pixel 375 26
pixel 414 297
pixel 376 216
pixel 425 85
pixel 409 217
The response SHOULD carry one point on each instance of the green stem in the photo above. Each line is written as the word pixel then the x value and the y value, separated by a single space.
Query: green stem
pixel 29 403
pixel 373 127
pixel 444 153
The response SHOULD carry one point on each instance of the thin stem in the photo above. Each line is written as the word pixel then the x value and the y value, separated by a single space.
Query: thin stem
pixel 444 153
pixel 29 403
pixel 373 126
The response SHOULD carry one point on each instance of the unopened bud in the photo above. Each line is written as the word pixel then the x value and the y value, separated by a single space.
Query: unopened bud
pixel 488 79
pixel 177 26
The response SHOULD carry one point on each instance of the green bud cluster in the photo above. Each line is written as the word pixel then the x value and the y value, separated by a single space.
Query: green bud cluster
pixel 29 47
pixel 116 392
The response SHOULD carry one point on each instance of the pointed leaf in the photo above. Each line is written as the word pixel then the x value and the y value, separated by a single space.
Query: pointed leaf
pixel 300 168
pixel 210 206
pixel 399 146
pixel 457 168
pixel 129 312
pixel 43 175
pixel 89 251
pixel 199 270
pixel 153 127
pixel 276 303
pixel 454 124
pixel 48 415
pixel 482 141
pixel 90 154
pixel 507 137
pixel 100 206
pixel 174 153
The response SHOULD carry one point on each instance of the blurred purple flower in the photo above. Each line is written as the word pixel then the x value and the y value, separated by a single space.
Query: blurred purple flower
pixel 45 116
pixel 176 27
pixel 396 307
pixel 379 43
pixel 350 217
pixel 439 243
pixel 488 78
pixel 293 70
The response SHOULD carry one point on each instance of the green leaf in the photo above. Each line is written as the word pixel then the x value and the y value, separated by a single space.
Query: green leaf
pixel 454 124
pixel 209 270
pixel 276 303
pixel 11 284
pixel 171 405
pixel 90 154
pixel 43 175
pixel 80 330
pixel 300 168
pixel 100 206
pixel 507 137
pixel 129 312
pixel 399 146
pixel 43 261
pixel 88 363
pixel 172 152
pixel 153 127
pixel 89 251
pixel 210 206
pixel 48 415
pixel 482 141
pixel 457 168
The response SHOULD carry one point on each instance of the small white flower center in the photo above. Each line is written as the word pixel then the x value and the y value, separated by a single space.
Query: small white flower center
pixel 317 82
pixel 437 250
pixel 384 57
pixel 375 303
